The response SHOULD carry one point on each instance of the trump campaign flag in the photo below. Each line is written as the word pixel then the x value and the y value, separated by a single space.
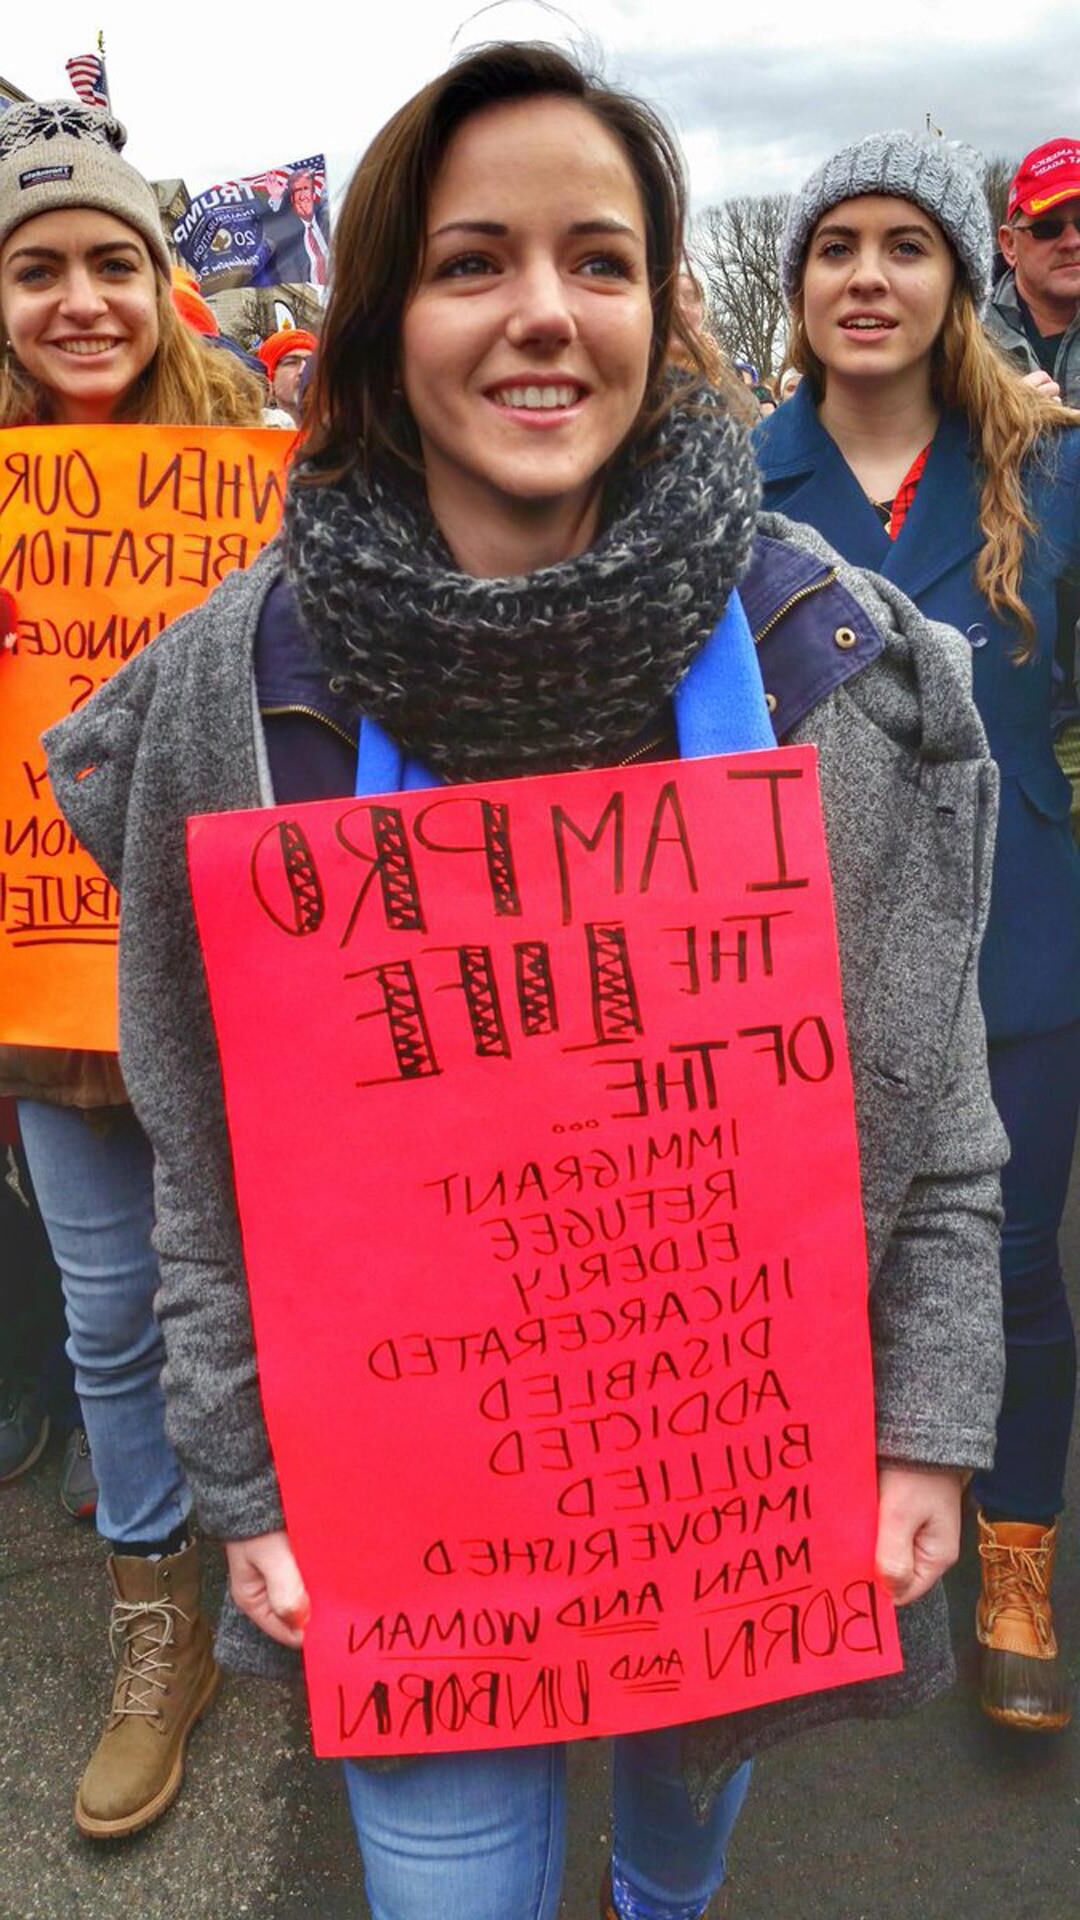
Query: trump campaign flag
pixel 264 230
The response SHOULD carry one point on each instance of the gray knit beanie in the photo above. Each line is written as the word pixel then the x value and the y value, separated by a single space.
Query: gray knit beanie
pixel 939 176
pixel 58 153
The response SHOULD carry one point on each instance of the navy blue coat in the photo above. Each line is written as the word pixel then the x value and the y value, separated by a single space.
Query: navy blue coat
pixel 1030 973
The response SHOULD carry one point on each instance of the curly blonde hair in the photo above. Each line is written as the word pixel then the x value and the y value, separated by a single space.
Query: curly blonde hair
pixel 186 384
pixel 1011 424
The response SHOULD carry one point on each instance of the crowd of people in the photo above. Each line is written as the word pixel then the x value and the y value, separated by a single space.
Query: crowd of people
pixel 514 379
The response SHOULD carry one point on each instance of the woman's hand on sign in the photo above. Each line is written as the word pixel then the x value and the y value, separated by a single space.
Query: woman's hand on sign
pixel 267 1585
pixel 918 1527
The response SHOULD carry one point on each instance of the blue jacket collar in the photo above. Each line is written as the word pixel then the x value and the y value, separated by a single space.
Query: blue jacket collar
pixel 941 530
pixel 817 485
pixel 790 440
pixel 777 572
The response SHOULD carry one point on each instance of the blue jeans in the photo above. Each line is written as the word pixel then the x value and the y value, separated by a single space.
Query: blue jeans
pixel 1036 1087
pixel 94 1186
pixel 482 1836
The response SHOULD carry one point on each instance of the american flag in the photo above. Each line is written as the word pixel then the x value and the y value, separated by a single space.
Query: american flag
pixel 87 75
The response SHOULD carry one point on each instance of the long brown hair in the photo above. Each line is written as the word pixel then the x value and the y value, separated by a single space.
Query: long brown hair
pixel 186 384
pixel 1010 425
pixel 354 412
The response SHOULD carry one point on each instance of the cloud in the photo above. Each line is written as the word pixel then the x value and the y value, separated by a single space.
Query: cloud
pixel 758 95
pixel 759 119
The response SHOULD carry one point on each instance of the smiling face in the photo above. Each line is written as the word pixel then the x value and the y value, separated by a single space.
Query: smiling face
pixel 525 344
pixel 879 274
pixel 1047 271
pixel 78 298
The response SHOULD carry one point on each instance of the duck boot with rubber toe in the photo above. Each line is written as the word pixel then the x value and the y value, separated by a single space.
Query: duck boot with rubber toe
pixel 1023 1681
pixel 166 1677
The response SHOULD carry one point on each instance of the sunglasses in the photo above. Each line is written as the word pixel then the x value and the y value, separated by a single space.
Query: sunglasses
pixel 1049 229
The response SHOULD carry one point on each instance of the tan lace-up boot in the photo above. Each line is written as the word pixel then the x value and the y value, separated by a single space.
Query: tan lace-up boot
pixel 165 1678
pixel 1023 1682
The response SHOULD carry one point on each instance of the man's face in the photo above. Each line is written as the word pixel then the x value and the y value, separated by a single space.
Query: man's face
pixel 287 380
pixel 302 195
pixel 1044 252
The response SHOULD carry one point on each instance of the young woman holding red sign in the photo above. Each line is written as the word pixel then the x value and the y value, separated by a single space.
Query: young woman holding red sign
pixel 511 545
pixel 91 338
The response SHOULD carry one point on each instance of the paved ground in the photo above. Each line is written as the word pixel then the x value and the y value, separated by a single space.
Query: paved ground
pixel 937 1818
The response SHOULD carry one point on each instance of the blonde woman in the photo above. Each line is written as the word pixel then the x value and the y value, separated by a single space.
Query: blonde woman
pixel 913 448
pixel 91 338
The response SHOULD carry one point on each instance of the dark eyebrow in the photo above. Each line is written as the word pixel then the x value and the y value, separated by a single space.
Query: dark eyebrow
pixel 604 226
pixel 54 253
pixel 496 230
pixel 490 227
pixel 35 253
pixel 891 233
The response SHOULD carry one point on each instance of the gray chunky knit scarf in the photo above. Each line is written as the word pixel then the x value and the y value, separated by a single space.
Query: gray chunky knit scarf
pixel 549 671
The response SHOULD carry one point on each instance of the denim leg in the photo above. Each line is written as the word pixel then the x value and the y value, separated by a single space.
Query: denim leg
pixel 1036 1088
pixel 464 1836
pixel 94 1186
pixel 665 1864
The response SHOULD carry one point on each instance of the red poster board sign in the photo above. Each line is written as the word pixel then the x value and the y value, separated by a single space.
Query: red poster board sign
pixel 106 534
pixel 545 1149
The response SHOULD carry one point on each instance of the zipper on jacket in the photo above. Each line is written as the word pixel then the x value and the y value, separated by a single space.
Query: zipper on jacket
pixel 639 752
pixel 310 713
pixel 804 593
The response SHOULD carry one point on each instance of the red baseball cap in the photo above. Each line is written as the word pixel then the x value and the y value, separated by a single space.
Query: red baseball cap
pixel 1047 176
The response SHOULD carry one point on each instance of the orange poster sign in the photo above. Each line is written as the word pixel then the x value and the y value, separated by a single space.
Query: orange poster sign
pixel 106 535
pixel 544 1140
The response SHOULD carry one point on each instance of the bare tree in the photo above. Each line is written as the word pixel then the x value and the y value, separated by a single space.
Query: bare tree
pixel 997 179
pixel 258 315
pixel 735 248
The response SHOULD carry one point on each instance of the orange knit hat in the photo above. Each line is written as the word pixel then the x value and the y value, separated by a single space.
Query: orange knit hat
pixel 277 345
pixel 190 305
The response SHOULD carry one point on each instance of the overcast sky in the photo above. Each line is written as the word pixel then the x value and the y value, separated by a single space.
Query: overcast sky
pixel 212 89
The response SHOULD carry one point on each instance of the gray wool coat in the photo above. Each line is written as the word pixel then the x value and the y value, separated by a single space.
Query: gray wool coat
pixel 909 799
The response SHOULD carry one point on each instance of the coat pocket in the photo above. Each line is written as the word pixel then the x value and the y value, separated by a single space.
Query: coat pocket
pixel 902 1021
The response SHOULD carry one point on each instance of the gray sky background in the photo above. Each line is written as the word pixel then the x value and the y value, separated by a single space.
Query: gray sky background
pixel 758 95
